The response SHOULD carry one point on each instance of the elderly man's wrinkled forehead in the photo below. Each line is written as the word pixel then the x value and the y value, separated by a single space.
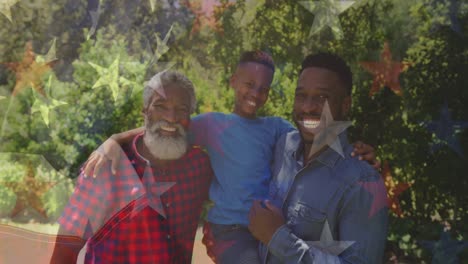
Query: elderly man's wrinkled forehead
pixel 160 85
pixel 171 92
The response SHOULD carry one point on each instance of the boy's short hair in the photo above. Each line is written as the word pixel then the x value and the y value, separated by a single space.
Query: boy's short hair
pixel 257 56
pixel 332 63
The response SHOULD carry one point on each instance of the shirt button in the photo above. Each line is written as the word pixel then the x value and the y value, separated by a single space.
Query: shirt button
pixel 168 204
pixel 168 237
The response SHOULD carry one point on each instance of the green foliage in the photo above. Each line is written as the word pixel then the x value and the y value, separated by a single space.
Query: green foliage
pixel 8 172
pixel 20 182
pixel 56 198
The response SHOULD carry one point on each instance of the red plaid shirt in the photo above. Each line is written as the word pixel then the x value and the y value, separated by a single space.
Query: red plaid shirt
pixel 122 216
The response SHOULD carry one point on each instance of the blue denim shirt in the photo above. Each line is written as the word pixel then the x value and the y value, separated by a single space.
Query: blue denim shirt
pixel 344 192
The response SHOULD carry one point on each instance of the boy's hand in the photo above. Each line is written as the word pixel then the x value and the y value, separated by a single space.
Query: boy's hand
pixel 264 220
pixel 109 150
pixel 367 153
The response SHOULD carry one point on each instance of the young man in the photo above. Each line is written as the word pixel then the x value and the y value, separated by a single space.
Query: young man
pixel 240 146
pixel 311 192
pixel 149 212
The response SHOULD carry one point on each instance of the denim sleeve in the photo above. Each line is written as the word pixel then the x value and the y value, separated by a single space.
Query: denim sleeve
pixel 361 222
pixel 288 248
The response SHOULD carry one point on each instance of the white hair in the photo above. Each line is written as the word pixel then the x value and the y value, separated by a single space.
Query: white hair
pixel 165 79
pixel 163 147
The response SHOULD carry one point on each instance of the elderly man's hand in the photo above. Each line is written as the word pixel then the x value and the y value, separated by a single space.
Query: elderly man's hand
pixel 265 220
pixel 109 150
pixel 366 152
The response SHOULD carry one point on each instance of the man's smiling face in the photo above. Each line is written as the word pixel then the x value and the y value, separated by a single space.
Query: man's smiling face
pixel 166 120
pixel 315 87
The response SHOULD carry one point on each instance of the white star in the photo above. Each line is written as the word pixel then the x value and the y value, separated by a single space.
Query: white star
pixel 328 131
pixel 5 6
pixel 94 20
pixel 156 82
pixel 247 14
pixel 50 56
pixel 326 14
pixel 327 243
pixel 152 5
pixel 161 47
pixel 154 65
pixel 153 191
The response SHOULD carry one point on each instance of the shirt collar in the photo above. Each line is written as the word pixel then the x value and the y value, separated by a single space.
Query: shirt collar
pixel 329 157
pixel 135 150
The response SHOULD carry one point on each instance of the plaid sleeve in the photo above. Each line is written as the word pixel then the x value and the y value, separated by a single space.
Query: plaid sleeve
pixel 84 209
pixel 96 200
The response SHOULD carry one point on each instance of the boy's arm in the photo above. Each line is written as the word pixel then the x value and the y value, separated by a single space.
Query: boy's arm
pixel 126 137
pixel 109 150
pixel 367 153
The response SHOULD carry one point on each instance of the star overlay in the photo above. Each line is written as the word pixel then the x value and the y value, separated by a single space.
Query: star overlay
pixel 247 15
pixel 5 8
pixel 94 14
pixel 445 130
pixel 386 72
pixel 106 195
pixel 205 12
pixel 51 54
pixel 29 71
pixel 43 105
pixel 327 243
pixel 110 77
pixel 152 61
pixel 161 47
pixel 152 5
pixel 326 14
pixel 393 190
pixel 31 188
pixel 446 249
pixel 153 192
pixel 326 134
pixel 379 193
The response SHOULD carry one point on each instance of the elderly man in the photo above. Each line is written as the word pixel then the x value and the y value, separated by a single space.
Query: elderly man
pixel 150 212
pixel 325 206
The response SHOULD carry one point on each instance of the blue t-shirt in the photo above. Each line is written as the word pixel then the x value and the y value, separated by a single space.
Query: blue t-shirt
pixel 241 151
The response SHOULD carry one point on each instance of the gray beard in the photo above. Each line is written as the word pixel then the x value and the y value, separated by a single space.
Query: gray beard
pixel 164 147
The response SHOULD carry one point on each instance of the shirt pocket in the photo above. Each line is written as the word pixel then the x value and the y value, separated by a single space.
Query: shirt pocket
pixel 306 222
